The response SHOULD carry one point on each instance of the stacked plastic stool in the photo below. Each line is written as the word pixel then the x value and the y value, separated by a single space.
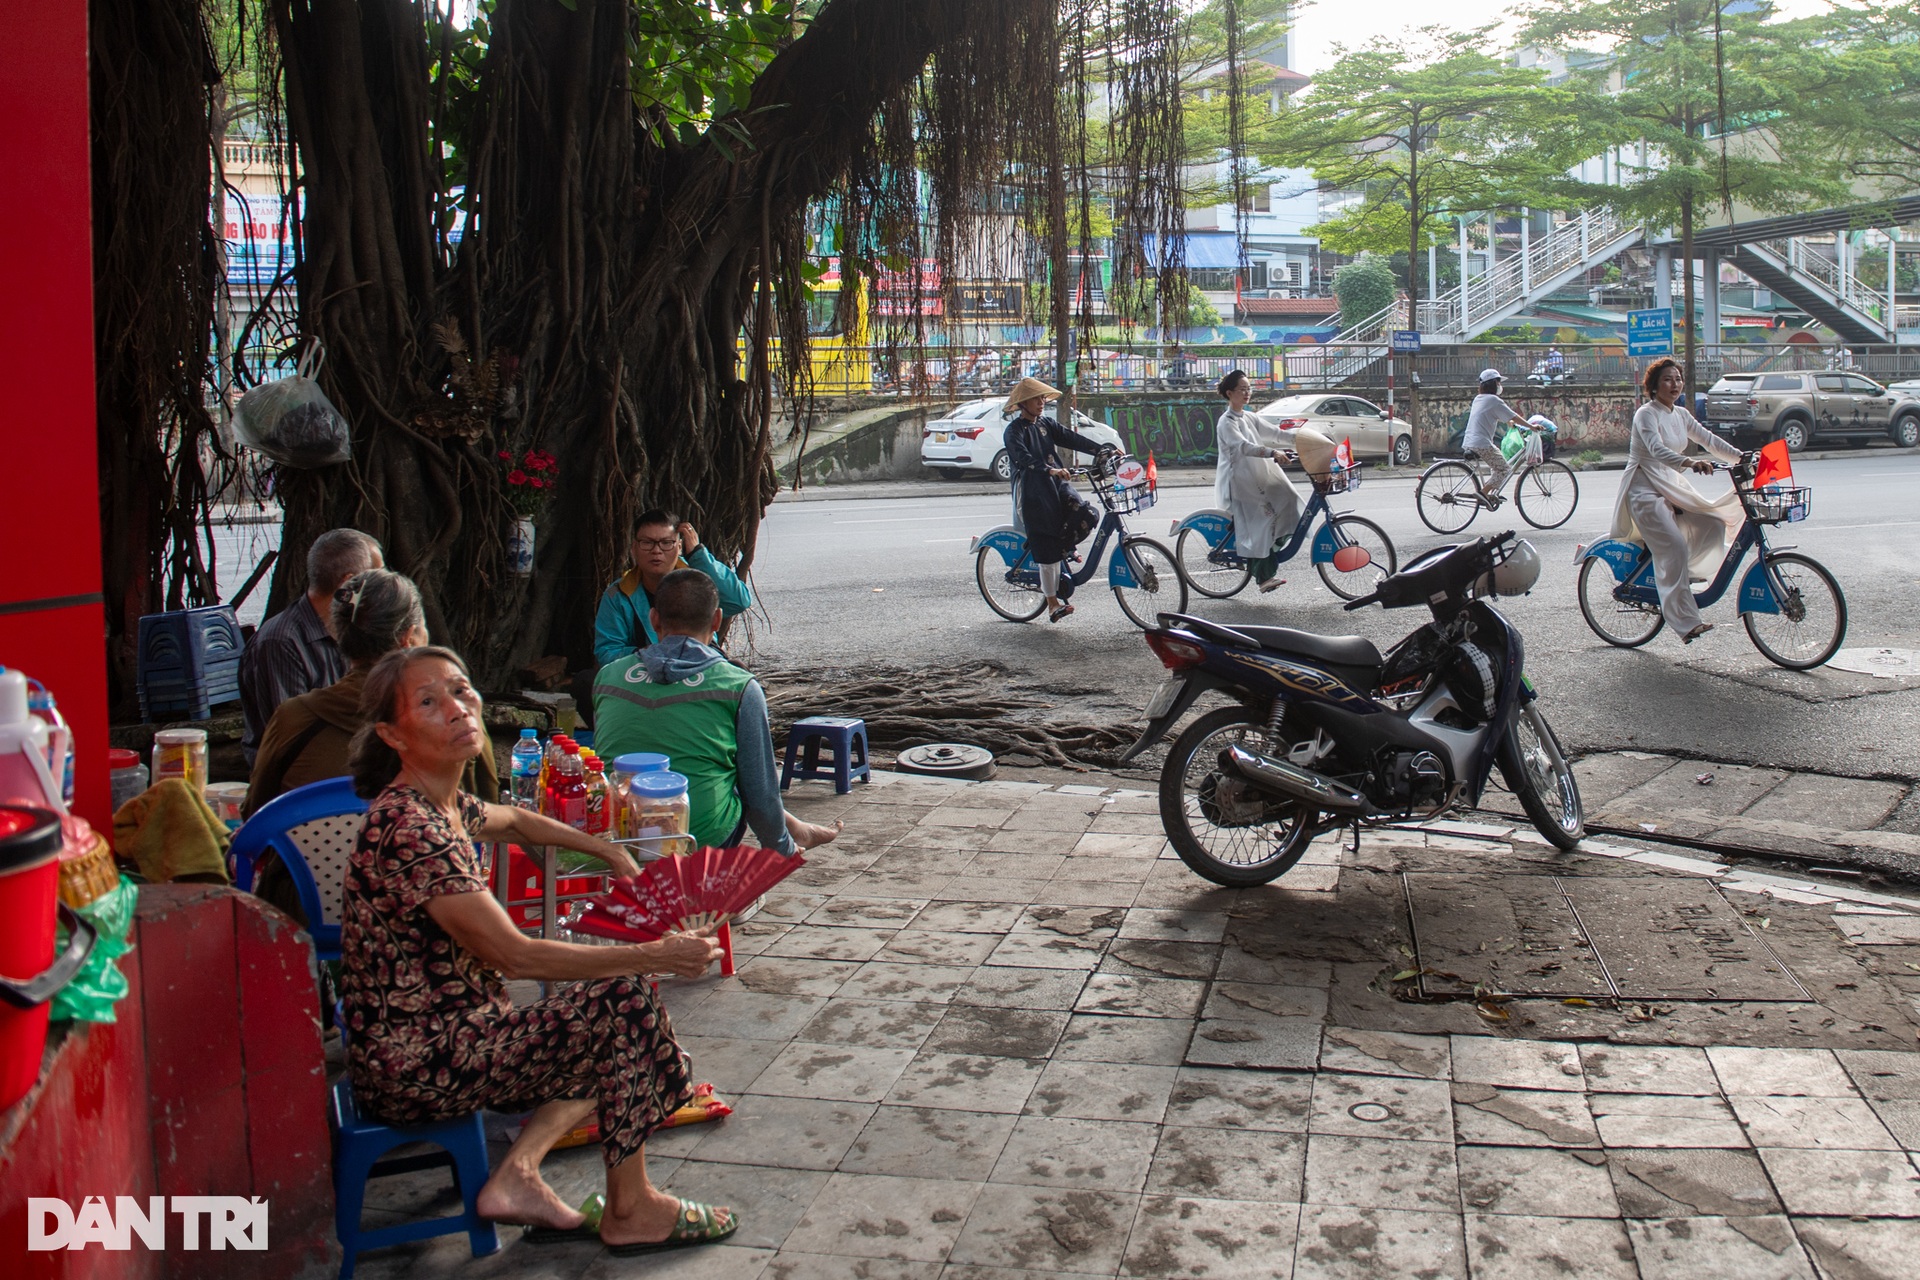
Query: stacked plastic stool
pixel 189 662
pixel 845 735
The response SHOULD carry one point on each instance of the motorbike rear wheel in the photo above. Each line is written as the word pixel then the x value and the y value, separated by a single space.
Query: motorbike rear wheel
pixel 1538 772
pixel 1236 855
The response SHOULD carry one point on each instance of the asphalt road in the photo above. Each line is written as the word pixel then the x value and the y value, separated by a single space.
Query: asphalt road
pixel 845 581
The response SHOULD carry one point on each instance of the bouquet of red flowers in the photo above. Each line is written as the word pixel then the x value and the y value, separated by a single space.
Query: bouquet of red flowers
pixel 529 480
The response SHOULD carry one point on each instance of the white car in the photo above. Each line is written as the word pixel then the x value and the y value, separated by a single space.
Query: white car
pixel 972 437
pixel 1342 417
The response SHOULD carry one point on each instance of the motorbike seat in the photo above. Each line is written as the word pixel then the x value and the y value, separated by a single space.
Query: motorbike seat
pixel 1340 651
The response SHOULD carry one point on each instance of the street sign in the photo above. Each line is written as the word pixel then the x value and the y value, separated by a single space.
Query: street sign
pixel 1406 339
pixel 1650 333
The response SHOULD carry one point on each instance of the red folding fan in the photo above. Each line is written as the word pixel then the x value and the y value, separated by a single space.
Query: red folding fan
pixel 675 894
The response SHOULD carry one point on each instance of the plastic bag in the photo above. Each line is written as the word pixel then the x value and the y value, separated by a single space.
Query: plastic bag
pixel 99 985
pixel 292 421
pixel 1521 448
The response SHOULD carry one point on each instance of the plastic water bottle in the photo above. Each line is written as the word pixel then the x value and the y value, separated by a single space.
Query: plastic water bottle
pixel 527 756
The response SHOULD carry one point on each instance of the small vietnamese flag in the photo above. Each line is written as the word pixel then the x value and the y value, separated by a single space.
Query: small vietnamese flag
pixel 1775 464
pixel 1153 473
pixel 1344 454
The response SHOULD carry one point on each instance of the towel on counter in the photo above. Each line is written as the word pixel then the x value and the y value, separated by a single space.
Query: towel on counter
pixel 171 833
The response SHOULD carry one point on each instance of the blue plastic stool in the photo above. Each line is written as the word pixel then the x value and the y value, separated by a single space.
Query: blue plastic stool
pixel 848 738
pixel 358 1144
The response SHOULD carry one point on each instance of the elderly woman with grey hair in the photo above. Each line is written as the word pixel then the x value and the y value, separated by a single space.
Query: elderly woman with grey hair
pixel 373 614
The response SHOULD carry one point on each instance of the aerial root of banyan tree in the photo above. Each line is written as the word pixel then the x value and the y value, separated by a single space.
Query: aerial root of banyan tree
pixel 909 707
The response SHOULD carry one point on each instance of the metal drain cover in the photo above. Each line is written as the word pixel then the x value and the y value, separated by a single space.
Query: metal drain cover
pixel 947 760
pixel 1890 663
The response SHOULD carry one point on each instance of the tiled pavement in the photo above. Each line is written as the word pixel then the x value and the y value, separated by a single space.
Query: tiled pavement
pixel 998 1031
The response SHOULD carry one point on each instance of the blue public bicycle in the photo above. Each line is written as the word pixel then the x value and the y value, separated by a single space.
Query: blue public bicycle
pixel 1791 606
pixel 1142 573
pixel 1352 553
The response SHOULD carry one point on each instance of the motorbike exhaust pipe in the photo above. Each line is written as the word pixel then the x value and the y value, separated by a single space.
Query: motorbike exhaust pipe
pixel 1290 779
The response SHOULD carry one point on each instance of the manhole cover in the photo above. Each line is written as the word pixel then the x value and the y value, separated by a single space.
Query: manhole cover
pixel 1890 663
pixel 947 760
pixel 1371 1112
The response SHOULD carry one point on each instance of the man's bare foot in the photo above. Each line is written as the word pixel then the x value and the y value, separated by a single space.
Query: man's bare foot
pixel 811 835
pixel 516 1193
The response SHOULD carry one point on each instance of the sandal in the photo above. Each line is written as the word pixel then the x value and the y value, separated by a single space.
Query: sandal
pixel 1060 613
pixel 695 1224
pixel 1696 633
pixel 1272 584
pixel 593 1206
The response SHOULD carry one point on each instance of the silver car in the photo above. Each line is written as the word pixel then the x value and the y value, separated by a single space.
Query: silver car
pixel 972 437
pixel 1342 417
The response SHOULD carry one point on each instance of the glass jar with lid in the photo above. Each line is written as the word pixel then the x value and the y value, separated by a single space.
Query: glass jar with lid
pixel 658 812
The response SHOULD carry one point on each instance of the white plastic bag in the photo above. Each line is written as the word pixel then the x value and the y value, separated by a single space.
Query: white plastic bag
pixel 292 421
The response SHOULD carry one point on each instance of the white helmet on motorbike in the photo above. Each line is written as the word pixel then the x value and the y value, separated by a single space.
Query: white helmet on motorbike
pixel 1513 576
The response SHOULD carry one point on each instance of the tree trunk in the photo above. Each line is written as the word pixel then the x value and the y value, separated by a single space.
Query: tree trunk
pixel 1686 260
pixel 593 309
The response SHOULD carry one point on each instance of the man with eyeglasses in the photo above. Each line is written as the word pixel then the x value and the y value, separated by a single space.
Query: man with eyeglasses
pixel 662 542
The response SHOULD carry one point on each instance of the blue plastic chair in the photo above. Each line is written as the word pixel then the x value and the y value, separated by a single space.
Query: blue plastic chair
pixel 299 828
pixel 359 1144
pixel 844 734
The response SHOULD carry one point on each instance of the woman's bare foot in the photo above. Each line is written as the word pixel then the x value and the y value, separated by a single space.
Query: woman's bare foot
pixel 809 835
pixel 649 1220
pixel 517 1193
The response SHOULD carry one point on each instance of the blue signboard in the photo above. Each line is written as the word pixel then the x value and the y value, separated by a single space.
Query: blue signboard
pixel 1650 333
pixel 1406 339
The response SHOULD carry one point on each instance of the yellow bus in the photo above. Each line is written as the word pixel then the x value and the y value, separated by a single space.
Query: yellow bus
pixel 841 362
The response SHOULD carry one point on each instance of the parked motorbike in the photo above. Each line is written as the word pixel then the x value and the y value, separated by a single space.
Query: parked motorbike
pixel 1325 732
pixel 1547 374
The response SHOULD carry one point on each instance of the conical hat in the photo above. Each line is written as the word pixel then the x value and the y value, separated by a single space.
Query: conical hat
pixel 1027 389
pixel 1315 450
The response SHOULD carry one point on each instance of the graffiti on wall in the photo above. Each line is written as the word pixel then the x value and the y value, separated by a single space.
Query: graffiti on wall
pixel 1173 431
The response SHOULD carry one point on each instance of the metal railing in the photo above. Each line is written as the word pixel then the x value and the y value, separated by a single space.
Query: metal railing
pixel 945 375
pixel 1485 298
pixel 1822 269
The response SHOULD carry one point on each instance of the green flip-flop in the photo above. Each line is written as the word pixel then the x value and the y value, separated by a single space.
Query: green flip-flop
pixel 695 1224
pixel 593 1206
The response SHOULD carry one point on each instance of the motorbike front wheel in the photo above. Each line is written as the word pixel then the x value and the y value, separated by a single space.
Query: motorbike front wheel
pixel 1222 829
pixel 1534 766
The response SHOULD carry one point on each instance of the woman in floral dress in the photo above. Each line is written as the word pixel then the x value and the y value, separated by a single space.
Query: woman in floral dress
pixel 426 950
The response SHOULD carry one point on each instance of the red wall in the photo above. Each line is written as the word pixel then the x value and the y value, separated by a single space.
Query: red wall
pixel 51 621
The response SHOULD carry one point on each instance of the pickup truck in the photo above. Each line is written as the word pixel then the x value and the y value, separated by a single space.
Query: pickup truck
pixel 1800 408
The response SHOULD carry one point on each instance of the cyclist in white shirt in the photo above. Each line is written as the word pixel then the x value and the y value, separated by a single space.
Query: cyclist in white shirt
pixel 1486 423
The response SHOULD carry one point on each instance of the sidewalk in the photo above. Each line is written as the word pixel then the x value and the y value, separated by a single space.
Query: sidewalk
pixel 997 1031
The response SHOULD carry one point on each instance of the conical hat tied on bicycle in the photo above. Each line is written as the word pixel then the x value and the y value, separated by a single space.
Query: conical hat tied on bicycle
pixel 1316 450
pixel 1027 389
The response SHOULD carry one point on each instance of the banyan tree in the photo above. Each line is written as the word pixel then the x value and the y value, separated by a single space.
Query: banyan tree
pixel 581 227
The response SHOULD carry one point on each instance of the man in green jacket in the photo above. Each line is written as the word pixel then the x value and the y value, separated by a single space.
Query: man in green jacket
pixel 682 698
pixel 662 543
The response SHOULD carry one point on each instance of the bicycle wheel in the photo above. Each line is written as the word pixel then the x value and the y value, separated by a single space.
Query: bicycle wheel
pixel 1215 581
pixel 1448 497
pixel 1223 829
pixel 1354 531
pixel 1813 615
pixel 1546 494
pixel 1623 623
pixel 1158 586
pixel 1014 601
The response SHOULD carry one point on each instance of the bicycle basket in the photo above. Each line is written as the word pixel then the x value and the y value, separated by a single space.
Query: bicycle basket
pixel 1778 505
pixel 1345 480
pixel 1127 490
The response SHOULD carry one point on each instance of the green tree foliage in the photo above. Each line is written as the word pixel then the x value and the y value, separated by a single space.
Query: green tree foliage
pixel 1139 303
pixel 1687 89
pixel 1364 287
pixel 1854 76
pixel 1425 126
